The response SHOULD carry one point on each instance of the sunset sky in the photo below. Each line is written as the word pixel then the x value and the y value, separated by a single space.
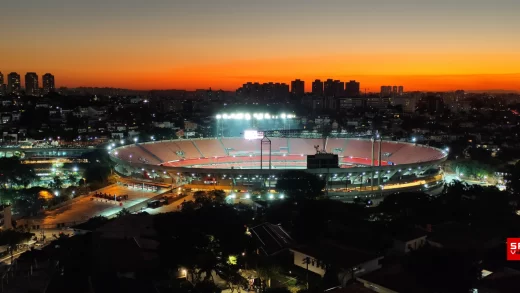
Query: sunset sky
pixel 189 44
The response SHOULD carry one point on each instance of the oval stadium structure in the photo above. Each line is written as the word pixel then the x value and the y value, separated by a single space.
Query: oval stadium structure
pixel 366 168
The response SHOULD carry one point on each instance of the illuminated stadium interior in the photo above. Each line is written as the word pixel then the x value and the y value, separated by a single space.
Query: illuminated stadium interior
pixel 403 165
pixel 286 153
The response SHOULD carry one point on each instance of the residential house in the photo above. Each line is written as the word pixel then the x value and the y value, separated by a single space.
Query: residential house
pixel 348 262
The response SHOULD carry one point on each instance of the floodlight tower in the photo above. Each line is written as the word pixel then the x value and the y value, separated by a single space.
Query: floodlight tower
pixel 265 143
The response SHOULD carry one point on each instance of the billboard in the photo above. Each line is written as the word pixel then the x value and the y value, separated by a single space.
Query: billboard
pixel 253 134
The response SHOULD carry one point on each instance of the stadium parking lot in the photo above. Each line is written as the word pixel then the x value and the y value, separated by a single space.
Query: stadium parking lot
pixel 86 207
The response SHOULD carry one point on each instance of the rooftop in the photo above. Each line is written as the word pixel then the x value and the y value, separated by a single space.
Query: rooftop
pixel 503 282
pixel 334 253
pixel 395 279
pixel 272 238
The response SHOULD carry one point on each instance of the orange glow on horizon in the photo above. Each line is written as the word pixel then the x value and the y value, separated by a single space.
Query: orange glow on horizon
pixel 434 72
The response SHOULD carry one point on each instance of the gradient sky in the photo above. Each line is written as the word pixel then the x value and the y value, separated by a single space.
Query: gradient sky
pixel 145 44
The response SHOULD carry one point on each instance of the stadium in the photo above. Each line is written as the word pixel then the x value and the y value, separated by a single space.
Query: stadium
pixel 366 167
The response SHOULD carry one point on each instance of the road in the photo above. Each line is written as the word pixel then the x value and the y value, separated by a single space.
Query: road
pixel 172 207
pixel 6 261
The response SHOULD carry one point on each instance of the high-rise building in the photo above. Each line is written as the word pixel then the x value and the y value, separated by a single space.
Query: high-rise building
pixel 2 85
pixel 339 88
pixel 388 90
pixel 264 91
pixel 352 88
pixel 31 83
pixel 298 87
pixel 328 88
pixel 317 87
pixel 48 83
pixel 334 88
pixel 13 83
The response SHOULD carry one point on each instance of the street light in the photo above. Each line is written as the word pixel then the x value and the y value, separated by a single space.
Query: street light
pixel 135 139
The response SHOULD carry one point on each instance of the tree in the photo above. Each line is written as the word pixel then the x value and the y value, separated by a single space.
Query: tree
pixel 513 179
pixel 277 290
pixel 207 287
pixel 99 168
pixel 407 206
pixel 231 275
pixel 200 197
pixel 217 196
pixel 443 270
pixel 300 184
pixel 205 246
pixel 13 237
pixel 72 179
pixel 122 213
pixel 13 172
pixel 56 183
pixel 212 197
pixel 267 270
pixel 472 168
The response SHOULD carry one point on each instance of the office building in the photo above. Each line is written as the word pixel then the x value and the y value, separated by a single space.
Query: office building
pixel 13 83
pixel 48 83
pixel 352 88
pixel 394 90
pixel 298 87
pixel 31 84
pixel 400 90
pixel 317 87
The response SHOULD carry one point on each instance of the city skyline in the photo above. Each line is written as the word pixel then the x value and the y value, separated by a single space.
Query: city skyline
pixel 200 44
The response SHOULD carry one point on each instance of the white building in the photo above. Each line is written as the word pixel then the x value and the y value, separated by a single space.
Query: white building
pixel 410 240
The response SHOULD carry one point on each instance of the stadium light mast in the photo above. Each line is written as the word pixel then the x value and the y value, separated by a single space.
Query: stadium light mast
pixel 267 142
pixel 379 161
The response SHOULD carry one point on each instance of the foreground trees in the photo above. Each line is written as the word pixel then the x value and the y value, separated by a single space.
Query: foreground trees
pixel 14 173
pixel 205 239
pixel 443 270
